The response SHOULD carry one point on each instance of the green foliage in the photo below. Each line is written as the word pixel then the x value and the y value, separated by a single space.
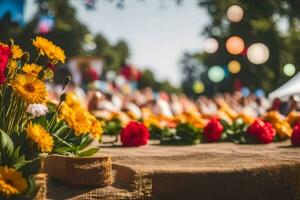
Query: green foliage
pixel 112 127
pixel 184 134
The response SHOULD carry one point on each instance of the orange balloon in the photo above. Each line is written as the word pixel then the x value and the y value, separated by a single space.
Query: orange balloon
pixel 235 45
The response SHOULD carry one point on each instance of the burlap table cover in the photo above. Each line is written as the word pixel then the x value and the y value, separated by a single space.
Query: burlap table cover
pixel 206 171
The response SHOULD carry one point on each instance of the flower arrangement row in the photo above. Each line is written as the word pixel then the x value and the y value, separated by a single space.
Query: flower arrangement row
pixel 194 128
pixel 26 135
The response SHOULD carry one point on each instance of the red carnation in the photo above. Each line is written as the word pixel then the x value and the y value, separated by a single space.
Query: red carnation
pixel 5 53
pixel 296 135
pixel 213 130
pixel 262 131
pixel 134 134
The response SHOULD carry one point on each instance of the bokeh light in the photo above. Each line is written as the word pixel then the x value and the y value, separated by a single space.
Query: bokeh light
pixel 198 87
pixel 289 69
pixel 216 74
pixel 245 91
pixel 259 93
pixel 234 67
pixel 235 45
pixel 210 45
pixel 258 53
pixel 235 13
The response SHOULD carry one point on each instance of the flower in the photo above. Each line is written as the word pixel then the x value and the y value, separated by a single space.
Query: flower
pixel 247 119
pixel 283 129
pixel 213 130
pixel 134 134
pixel 5 54
pixel 38 134
pixel 262 131
pixel 30 88
pixel 37 110
pixel 17 52
pixel 11 182
pixel 273 116
pixel 96 128
pixel 296 135
pixel 32 69
pixel 72 100
pixel 78 119
pixel 293 117
pixel 12 67
pixel 46 47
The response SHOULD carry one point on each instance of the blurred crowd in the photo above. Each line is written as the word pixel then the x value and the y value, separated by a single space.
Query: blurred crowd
pixel 118 94
pixel 142 103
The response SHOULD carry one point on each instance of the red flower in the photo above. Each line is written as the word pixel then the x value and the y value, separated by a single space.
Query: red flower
pixel 262 131
pixel 134 134
pixel 296 135
pixel 213 130
pixel 5 53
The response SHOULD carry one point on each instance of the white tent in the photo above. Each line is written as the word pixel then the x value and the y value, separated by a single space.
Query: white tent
pixel 291 87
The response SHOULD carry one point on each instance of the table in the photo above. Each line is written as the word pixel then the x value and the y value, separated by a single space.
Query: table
pixel 205 171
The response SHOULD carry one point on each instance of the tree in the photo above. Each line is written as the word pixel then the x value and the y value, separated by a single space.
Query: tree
pixel 259 24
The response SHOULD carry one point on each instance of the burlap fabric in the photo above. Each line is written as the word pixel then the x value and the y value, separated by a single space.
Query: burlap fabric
pixel 41 183
pixel 206 171
pixel 80 171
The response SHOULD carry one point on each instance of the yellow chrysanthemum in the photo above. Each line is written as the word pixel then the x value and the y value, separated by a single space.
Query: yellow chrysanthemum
pixel 72 100
pixel 46 47
pixel 12 68
pixel 152 121
pixel 96 129
pixel 273 117
pixel 247 119
pixel 38 134
pixel 30 88
pixel 32 69
pixel 11 182
pixel 293 117
pixel 17 52
pixel 283 129
pixel 79 120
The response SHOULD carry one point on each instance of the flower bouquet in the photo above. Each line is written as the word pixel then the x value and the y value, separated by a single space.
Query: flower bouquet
pixel 74 129
pixel 22 142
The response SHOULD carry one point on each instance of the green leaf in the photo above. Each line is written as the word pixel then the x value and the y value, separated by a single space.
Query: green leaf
pixel 85 142
pixel 6 143
pixel 32 188
pixel 63 150
pixel 88 152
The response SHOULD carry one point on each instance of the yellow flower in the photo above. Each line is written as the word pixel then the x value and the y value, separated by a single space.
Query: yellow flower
pixel 11 182
pixel 17 52
pixel 72 100
pixel 32 69
pixel 12 68
pixel 38 134
pixel 46 47
pixel 273 117
pixel 96 129
pixel 79 120
pixel 283 129
pixel 30 88
pixel 222 115
pixel 247 119
pixel 152 121
pixel 293 117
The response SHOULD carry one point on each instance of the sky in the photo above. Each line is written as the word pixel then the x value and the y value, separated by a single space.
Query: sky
pixel 158 31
